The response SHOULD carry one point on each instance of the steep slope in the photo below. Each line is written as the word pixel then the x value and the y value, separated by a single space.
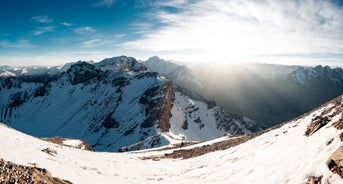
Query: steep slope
pixel 283 154
pixel 111 104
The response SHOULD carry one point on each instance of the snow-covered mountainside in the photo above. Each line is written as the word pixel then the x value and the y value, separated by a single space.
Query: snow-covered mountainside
pixel 180 75
pixel 307 149
pixel 113 105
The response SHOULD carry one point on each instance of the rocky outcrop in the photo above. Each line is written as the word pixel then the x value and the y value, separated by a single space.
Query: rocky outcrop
pixel 158 102
pixel 150 142
pixel 166 105
pixel 82 72
pixel 336 163
pixel 14 173
pixel 317 123
pixel 314 180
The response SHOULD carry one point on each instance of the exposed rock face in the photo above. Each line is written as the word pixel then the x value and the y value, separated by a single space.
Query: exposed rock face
pixel 314 180
pixel 336 163
pixel 14 173
pixel 159 108
pixel 317 123
pixel 151 142
pixel 82 72
pixel 339 124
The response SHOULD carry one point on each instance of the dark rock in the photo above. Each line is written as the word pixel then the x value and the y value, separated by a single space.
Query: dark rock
pixel 109 122
pixel 82 72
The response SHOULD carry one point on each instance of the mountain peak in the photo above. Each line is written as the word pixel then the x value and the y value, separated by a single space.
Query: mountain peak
pixel 121 63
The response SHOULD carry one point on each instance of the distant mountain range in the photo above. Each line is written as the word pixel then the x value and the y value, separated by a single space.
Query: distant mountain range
pixel 114 105
pixel 269 94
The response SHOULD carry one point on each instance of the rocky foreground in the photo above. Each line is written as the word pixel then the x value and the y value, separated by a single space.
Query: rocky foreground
pixel 13 173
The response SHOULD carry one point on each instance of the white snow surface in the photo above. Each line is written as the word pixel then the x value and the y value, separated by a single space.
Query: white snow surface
pixel 73 143
pixel 181 111
pixel 283 155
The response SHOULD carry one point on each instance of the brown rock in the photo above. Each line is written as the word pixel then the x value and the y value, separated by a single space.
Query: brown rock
pixel 317 123
pixel 336 163
pixel 14 173
pixel 314 180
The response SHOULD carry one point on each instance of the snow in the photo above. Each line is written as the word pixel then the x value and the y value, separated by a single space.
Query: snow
pixel 283 155
pixel 7 73
pixel 76 111
pixel 73 143
pixel 182 111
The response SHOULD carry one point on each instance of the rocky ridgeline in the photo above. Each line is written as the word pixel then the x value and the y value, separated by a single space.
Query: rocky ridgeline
pixel 111 104
pixel 11 173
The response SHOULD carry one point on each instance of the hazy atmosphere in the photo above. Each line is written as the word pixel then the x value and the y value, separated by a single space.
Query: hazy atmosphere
pixel 38 32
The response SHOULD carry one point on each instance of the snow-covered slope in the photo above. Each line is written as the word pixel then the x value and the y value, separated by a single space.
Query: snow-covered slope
pixel 285 154
pixel 110 104
pixel 193 119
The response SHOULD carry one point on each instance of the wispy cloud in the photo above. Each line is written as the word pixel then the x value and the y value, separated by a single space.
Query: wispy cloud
pixel 84 30
pixel 42 30
pixel 105 41
pixel 42 19
pixel 230 30
pixel 107 3
pixel 119 35
pixel 18 44
pixel 141 27
pixel 161 3
pixel 171 3
pixel 91 43
pixel 67 24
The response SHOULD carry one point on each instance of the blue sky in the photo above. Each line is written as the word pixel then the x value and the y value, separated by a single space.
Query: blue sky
pixel 52 32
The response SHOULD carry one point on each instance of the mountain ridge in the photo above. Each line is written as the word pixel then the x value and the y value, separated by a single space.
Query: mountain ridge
pixel 111 104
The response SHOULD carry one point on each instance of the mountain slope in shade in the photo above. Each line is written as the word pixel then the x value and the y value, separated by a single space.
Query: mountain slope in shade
pixel 110 104
pixel 268 94
pixel 304 150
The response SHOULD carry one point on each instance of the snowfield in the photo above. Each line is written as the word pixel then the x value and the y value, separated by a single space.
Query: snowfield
pixel 282 155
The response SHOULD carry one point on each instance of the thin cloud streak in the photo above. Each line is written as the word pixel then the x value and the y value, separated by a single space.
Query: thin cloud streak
pixel 67 24
pixel 107 3
pixel 84 30
pixel 91 43
pixel 18 44
pixel 119 35
pixel 240 30
pixel 42 19
pixel 42 30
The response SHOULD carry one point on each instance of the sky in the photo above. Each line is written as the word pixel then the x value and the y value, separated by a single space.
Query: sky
pixel 53 32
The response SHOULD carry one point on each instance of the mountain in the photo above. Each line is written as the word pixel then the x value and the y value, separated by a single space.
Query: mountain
pixel 180 75
pixel 307 149
pixel 114 105
pixel 269 94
